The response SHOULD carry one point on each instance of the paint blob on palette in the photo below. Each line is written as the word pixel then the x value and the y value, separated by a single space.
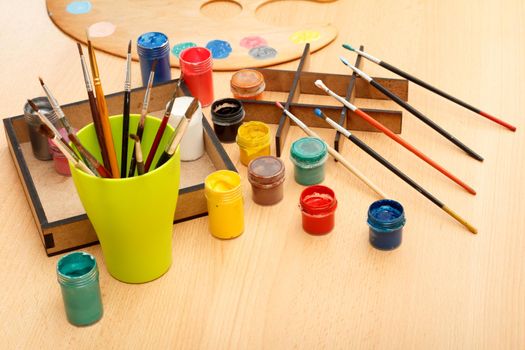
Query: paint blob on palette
pixel 79 7
pixel 178 48
pixel 101 29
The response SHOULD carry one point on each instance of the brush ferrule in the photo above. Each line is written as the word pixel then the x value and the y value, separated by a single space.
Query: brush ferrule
pixel 360 73
pixel 337 127
pixel 87 77
pixel 368 56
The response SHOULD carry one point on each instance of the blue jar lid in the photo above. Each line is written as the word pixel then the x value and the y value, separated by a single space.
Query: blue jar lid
pixel 152 44
pixel 308 150
pixel 386 215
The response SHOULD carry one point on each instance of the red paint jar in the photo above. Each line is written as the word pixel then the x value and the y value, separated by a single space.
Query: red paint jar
pixel 318 206
pixel 196 66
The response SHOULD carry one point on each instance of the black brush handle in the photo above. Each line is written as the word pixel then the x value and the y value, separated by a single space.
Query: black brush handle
pixel 125 135
pixel 163 159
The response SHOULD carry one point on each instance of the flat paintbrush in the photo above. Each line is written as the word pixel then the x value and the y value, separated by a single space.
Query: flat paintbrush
pixel 94 111
pixel 393 169
pixel 178 133
pixel 138 154
pixel 125 116
pixel 429 87
pixel 412 110
pixel 143 113
pixel 103 111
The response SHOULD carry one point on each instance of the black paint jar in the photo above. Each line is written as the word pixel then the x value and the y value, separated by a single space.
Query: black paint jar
pixel 227 116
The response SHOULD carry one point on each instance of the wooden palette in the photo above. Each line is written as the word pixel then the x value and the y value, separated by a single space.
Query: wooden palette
pixel 182 21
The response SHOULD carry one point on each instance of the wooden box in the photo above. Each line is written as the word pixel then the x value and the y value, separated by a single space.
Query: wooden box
pixel 58 212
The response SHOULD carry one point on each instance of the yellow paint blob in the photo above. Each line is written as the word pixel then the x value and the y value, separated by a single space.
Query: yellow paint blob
pixel 305 36
pixel 253 139
pixel 225 204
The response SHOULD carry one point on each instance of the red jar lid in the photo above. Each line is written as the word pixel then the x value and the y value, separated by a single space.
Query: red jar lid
pixel 317 200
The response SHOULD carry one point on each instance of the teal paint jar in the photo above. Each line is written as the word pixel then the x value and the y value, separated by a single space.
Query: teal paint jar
pixel 309 157
pixel 77 274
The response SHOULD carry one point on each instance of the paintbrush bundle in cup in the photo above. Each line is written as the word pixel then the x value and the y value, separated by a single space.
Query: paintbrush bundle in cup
pixel 178 134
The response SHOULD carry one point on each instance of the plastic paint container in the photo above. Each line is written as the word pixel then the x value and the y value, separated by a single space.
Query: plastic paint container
pixel 59 159
pixel 247 84
pixel 223 193
pixel 192 144
pixel 386 219
pixel 77 274
pixel 253 139
pixel 266 174
pixel 196 66
pixel 150 47
pixel 318 204
pixel 309 156
pixel 227 116
pixel 39 143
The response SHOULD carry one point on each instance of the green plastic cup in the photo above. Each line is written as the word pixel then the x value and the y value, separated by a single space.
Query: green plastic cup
pixel 132 217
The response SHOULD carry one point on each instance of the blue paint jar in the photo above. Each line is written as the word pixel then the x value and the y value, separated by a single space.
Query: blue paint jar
pixel 150 47
pixel 309 157
pixel 77 274
pixel 386 219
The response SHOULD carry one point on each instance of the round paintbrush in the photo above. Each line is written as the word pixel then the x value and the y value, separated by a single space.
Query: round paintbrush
pixel 139 162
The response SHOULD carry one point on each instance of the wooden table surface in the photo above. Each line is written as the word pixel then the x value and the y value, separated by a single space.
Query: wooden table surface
pixel 276 287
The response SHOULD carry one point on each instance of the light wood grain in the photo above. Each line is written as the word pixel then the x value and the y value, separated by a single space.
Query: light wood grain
pixel 276 287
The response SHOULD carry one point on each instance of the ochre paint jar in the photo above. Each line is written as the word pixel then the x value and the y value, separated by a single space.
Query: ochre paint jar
pixel 227 116
pixel 386 219
pixel 247 84
pixel 318 204
pixel 253 139
pixel 223 193
pixel 266 175
pixel 309 157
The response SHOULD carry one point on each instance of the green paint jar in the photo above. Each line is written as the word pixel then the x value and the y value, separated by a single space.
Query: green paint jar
pixel 309 156
pixel 77 274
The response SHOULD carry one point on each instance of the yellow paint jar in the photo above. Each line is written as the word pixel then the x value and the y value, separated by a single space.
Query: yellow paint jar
pixel 253 139
pixel 223 193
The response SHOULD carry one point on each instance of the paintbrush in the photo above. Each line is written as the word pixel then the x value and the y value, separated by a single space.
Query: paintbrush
pixel 49 133
pixel 94 111
pixel 429 87
pixel 103 111
pixel 125 116
pixel 393 136
pixel 160 132
pixel 334 153
pixel 178 133
pixel 142 121
pixel 412 110
pixel 393 169
pixel 138 154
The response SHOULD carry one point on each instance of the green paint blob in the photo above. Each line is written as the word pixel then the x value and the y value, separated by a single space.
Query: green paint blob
pixel 178 48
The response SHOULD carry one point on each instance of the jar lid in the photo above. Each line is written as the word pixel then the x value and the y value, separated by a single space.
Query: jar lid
pixel 152 40
pixel 253 134
pixel 247 80
pixel 386 214
pixel 227 111
pixel 223 186
pixel 265 170
pixel 44 107
pixel 317 199
pixel 308 150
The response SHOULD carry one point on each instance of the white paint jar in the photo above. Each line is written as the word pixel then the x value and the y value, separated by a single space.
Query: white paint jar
pixel 192 144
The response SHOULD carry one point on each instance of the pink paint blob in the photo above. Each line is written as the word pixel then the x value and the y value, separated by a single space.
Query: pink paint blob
pixel 101 29
pixel 250 42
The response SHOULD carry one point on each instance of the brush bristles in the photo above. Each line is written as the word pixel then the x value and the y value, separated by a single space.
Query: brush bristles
pixel 192 108
pixel 319 113
pixel 33 106
pixel 129 47
pixel 278 104
pixel 41 81
pixel 348 47
pixel 319 83
pixel 344 61
pixel 80 49
pixel 134 137
pixel 154 66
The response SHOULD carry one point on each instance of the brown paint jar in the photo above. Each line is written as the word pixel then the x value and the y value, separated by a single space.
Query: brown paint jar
pixel 266 174
pixel 247 84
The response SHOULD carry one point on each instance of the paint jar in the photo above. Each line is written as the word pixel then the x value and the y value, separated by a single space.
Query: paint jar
pixel 227 116
pixel 309 157
pixel 223 193
pixel 192 144
pixel 318 204
pixel 247 84
pixel 77 274
pixel 266 174
pixel 153 46
pixel 39 142
pixel 60 161
pixel 386 219
pixel 196 66
pixel 253 139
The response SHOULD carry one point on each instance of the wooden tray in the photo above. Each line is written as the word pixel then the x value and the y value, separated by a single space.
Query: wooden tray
pixel 61 220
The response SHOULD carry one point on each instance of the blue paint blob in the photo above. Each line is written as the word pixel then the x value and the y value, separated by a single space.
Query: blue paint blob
pixel 386 219
pixel 219 48
pixel 79 7
pixel 263 52
pixel 178 48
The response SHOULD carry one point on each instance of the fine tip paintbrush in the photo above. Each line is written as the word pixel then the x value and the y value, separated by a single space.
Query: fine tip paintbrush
pixel 125 116
pixel 390 166
pixel 429 87
pixel 94 110
pixel 412 110
pixel 178 133
pixel 138 154
pixel 144 111
pixel 49 133
pixel 334 153
pixel 103 110
pixel 393 136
